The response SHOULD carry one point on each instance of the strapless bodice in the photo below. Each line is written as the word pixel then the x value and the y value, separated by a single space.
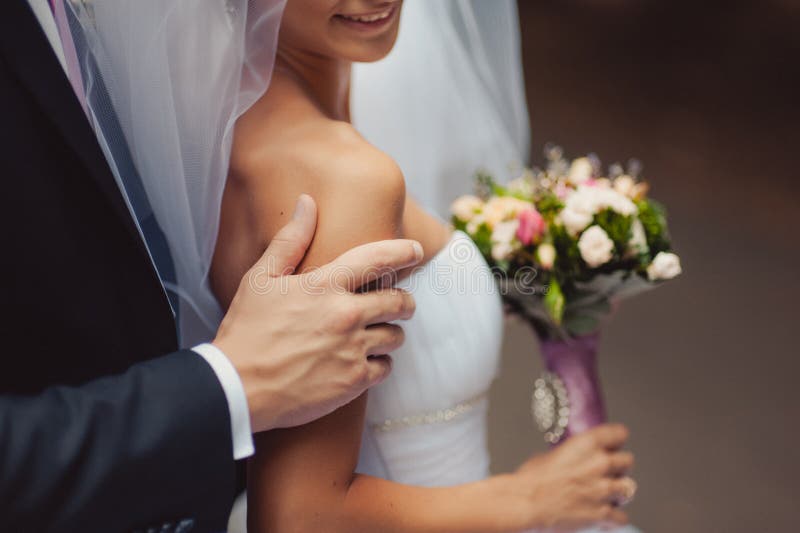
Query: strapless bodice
pixel 426 424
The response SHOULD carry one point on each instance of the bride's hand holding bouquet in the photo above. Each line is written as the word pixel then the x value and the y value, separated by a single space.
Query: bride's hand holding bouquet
pixel 581 483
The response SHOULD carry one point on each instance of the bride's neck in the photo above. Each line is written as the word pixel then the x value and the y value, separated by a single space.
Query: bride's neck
pixel 326 79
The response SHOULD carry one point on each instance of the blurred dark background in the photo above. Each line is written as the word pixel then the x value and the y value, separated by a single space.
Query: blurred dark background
pixel 704 370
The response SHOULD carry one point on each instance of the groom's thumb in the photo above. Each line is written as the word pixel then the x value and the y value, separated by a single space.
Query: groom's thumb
pixel 289 245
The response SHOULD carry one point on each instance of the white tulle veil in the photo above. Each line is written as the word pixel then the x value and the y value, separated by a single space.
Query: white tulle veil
pixel 177 74
pixel 449 99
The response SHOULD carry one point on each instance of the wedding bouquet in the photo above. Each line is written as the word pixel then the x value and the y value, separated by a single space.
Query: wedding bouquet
pixel 566 242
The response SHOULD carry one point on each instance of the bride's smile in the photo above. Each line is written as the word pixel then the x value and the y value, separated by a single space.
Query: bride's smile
pixel 369 22
pixel 347 30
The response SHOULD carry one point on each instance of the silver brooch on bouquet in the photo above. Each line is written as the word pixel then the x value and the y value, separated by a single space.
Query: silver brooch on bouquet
pixel 550 407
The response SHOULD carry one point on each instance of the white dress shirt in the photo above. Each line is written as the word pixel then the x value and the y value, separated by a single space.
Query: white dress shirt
pixel 218 361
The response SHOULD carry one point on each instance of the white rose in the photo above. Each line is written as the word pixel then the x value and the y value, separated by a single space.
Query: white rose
pixel 546 254
pixel 622 204
pixel 575 221
pixel 666 265
pixel 624 185
pixel 580 207
pixel 502 239
pixel 501 251
pixel 466 207
pixel 638 241
pixel 595 246
pixel 584 199
pixel 504 232
pixel 610 199
pixel 580 170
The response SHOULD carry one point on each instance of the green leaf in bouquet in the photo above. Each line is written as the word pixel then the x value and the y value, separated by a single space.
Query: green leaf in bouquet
pixel 459 224
pixel 549 205
pixel 568 256
pixel 617 227
pixel 486 186
pixel 654 220
pixel 483 240
pixel 554 301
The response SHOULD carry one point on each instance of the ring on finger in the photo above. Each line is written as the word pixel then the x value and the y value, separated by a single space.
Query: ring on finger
pixel 627 492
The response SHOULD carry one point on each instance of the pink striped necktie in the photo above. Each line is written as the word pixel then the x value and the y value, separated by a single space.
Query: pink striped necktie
pixel 70 54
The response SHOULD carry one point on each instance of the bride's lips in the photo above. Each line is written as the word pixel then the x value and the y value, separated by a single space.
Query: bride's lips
pixel 372 22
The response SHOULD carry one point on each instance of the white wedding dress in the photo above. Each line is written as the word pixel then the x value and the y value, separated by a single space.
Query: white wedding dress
pixel 426 424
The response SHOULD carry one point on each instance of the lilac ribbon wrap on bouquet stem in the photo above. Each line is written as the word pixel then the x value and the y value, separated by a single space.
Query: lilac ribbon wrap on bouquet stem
pixel 574 362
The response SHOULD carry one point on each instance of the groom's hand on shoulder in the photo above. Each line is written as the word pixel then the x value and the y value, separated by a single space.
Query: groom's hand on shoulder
pixel 304 345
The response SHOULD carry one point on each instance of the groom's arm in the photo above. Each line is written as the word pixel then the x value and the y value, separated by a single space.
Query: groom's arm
pixel 142 449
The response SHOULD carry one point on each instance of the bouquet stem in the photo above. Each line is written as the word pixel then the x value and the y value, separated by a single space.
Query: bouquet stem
pixel 574 361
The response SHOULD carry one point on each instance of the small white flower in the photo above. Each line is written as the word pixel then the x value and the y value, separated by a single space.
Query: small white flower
pixel 501 208
pixel 466 207
pixel 624 185
pixel 665 265
pixel 546 254
pixel 621 204
pixel 501 251
pixel 584 202
pixel 580 207
pixel 596 247
pixel 575 221
pixel 502 239
pixel 504 232
pixel 638 241
pixel 584 199
pixel 580 170
pixel 611 199
pixel 474 224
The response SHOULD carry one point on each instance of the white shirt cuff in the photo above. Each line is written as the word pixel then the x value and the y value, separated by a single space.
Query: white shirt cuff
pixel 237 401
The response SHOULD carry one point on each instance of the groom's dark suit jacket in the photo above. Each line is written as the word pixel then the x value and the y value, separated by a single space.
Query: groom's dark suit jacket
pixel 150 445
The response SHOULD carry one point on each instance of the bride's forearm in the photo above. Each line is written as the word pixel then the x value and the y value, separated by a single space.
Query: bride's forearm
pixel 375 505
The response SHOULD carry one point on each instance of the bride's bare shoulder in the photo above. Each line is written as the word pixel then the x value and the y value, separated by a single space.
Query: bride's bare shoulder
pixel 285 146
pixel 285 136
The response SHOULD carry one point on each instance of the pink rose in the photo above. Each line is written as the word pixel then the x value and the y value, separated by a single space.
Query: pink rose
pixel 531 226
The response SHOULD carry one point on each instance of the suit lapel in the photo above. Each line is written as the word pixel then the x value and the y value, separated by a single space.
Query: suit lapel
pixel 28 52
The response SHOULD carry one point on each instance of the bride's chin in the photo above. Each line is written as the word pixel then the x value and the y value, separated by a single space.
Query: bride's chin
pixel 372 56
pixel 369 51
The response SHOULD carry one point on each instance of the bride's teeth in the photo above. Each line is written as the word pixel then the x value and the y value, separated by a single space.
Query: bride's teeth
pixel 368 18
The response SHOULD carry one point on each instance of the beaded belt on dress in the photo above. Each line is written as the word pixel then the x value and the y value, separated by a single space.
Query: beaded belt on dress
pixel 434 417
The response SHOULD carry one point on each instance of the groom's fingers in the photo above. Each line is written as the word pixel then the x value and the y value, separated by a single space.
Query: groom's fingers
pixel 385 305
pixel 378 369
pixel 290 244
pixel 383 339
pixel 370 262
